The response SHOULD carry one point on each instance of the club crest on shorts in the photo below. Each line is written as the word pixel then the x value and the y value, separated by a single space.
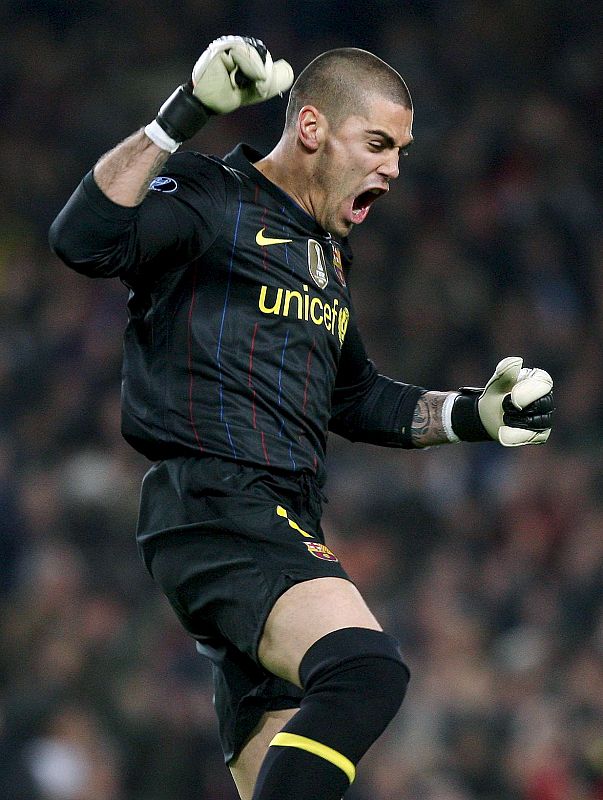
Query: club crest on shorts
pixel 337 264
pixel 319 550
pixel 317 264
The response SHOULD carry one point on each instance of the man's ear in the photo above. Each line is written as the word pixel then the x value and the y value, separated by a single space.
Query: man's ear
pixel 310 127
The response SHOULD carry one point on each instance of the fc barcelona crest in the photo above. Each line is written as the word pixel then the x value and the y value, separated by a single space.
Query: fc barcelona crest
pixel 321 551
pixel 337 264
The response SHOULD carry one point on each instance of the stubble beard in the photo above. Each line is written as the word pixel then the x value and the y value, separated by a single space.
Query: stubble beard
pixel 325 185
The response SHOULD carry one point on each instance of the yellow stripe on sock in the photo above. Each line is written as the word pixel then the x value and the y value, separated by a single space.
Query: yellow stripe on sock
pixel 317 749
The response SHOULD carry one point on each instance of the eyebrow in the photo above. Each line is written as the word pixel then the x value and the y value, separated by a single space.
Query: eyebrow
pixel 389 140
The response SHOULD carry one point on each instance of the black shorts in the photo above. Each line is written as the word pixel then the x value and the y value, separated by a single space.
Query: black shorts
pixel 224 541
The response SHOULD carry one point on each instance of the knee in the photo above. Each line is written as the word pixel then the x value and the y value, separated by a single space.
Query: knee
pixel 359 664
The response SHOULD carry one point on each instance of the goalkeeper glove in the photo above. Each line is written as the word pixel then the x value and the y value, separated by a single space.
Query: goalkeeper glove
pixel 234 71
pixel 515 407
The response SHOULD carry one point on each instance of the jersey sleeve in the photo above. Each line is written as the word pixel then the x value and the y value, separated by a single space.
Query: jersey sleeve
pixel 367 406
pixel 175 223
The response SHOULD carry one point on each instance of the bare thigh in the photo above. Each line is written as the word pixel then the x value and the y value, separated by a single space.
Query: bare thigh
pixel 304 614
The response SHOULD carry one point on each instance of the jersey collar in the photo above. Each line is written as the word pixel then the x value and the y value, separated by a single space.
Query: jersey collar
pixel 243 158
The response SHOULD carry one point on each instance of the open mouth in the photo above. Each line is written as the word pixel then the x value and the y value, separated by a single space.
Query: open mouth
pixel 362 203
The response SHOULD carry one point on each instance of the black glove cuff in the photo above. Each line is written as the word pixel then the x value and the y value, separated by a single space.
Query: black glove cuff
pixel 466 422
pixel 182 115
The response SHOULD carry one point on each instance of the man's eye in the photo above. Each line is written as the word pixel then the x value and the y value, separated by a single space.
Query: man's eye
pixel 376 145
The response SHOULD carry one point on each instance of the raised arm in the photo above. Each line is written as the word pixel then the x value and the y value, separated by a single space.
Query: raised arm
pixel 233 71
pixel 99 231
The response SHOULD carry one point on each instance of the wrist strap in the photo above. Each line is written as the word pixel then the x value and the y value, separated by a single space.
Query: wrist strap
pixel 466 421
pixel 179 118
pixel 182 115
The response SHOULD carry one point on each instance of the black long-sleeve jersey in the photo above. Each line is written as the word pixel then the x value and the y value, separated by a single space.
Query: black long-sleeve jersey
pixel 241 341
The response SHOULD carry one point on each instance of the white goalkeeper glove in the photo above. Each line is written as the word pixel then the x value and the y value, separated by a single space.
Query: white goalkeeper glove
pixel 238 71
pixel 514 408
pixel 234 71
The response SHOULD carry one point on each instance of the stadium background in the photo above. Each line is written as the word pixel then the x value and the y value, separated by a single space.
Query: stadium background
pixel 485 563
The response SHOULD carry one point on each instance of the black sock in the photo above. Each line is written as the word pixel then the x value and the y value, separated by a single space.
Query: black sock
pixel 290 773
pixel 355 681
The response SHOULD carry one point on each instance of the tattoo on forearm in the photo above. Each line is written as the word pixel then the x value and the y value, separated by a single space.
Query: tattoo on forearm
pixel 427 428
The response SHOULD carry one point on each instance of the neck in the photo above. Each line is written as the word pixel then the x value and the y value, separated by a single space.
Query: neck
pixel 285 168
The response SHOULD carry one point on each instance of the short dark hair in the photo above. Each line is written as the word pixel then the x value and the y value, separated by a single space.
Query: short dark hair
pixel 342 82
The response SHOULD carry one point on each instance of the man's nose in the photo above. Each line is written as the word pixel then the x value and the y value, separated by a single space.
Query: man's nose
pixel 390 168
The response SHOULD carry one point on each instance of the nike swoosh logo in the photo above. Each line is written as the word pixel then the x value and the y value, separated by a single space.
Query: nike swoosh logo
pixel 263 241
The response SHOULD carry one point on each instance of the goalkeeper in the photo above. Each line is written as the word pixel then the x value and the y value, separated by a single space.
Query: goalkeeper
pixel 241 351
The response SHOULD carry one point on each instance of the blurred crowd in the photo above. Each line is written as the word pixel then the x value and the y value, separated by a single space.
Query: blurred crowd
pixel 485 563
